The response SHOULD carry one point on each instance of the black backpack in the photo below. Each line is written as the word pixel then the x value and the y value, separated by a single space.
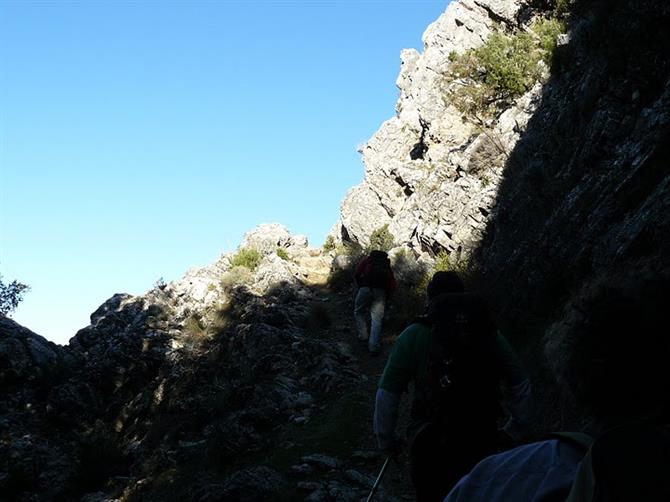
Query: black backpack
pixel 376 273
pixel 463 379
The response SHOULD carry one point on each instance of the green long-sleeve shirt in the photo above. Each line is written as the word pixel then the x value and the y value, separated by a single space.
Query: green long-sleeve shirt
pixel 408 362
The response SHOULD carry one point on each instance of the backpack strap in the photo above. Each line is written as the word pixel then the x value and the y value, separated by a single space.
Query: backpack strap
pixel 584 484
pixel 462 381
pixel 584 441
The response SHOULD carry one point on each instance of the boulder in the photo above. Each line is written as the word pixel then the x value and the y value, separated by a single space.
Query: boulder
pixel 267 237
pixel 24 355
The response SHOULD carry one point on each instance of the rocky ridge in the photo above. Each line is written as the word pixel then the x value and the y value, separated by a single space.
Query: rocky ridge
pixel 430 174
pixel 188 391
pixel 567 184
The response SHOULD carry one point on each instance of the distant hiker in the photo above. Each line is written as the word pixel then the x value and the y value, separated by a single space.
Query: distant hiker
pixel 375 281
pixel 610 354
pixel 457 363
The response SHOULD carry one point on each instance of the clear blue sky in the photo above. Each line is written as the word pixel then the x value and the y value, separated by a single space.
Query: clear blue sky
pixel 141 138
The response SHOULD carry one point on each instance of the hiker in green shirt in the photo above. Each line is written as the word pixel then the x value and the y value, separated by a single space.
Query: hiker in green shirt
pixel 454 421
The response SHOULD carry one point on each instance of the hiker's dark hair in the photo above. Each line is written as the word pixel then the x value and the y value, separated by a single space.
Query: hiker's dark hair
pixel 611 348
pixel 378 254
pixel 444 282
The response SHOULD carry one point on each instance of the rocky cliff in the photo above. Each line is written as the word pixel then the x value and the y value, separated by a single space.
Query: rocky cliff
pixel 430 173
pixel 240 382
pixel 567 182
pixel 586 190
pixel 205 388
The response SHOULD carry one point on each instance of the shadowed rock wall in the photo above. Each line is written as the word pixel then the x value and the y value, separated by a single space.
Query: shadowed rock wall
pixel 586 192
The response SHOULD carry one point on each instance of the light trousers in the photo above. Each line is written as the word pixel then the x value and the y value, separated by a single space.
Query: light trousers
pixel 369 300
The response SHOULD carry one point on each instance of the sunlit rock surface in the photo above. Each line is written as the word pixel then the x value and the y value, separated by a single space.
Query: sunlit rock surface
pixel 441 198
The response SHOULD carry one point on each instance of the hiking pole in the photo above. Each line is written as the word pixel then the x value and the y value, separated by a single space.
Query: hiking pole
pixel 379 479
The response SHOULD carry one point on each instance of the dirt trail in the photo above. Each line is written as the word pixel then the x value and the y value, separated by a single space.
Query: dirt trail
pixel 341 426
pixel 357 408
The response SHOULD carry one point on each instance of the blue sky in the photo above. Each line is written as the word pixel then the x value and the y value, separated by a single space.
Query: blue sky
pixel 141 138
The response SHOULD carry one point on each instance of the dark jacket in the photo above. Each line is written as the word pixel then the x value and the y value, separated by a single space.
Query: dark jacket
pixel 359 276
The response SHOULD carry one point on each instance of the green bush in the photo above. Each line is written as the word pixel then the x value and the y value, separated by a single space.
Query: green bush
pixel 548 30
pixel 403 258
pixel 562 7
pixel 510 63
pixel 221 316
pixel 234 277
pixel 442 263
pixel 11 294
pixel 194 332
pixel 501 70
pixel 281 252
pixel 246 257
pixel 341 272
pixel 341 278
pixel 193 326
pixel 382 239
pixel 348 248
pixel 329 244
pixel 409 299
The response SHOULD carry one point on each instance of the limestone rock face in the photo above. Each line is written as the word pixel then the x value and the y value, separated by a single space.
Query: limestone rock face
pixel 267 237
pixel 429 174
pixel 201 288
pixel 274 271
pixel 191 371
pixel 567 185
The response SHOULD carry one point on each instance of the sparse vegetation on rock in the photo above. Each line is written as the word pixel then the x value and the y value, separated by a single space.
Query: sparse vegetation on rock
pixel 329 244
pixel 485 80
pixel 236 275
pixel 382 239
pixel 11 294
pixel 246 257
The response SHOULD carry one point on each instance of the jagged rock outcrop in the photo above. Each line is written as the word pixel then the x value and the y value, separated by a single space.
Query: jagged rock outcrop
pixel 586 190
pixel 189 374
pixel 268 237
pixel 569 184
pixel 24 355
pixel 566 183
pixel 429 174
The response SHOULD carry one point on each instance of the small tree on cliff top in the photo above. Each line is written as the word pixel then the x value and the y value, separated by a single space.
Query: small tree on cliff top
pixel 11 295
